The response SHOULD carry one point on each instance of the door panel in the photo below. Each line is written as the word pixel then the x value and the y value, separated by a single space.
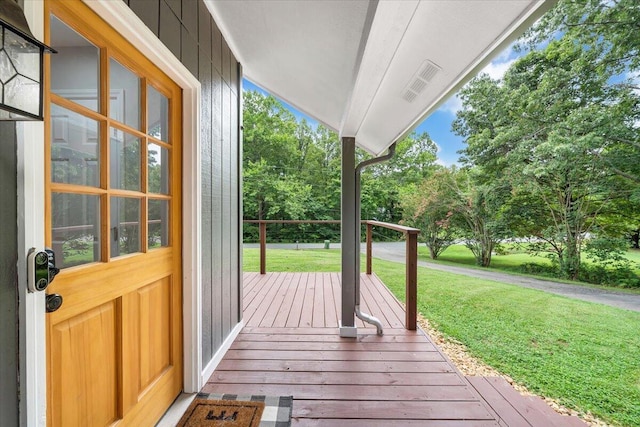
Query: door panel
pixel 114 348
pixel 154 315
pixel 84 369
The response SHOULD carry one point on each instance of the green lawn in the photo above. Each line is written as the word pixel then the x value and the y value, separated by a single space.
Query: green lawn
pixel 460 254
pixel 582 354
pixel 320 260
pixel 512 260
pixel 634 255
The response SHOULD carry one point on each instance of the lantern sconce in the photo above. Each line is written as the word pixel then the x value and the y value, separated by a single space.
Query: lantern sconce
pixel 21 66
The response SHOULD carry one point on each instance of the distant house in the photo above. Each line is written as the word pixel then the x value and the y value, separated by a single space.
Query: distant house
pixel 134 179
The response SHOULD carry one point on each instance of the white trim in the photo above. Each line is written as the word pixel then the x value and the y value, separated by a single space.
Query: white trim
pixel 348 331
pixel 217 358
pixel 127 23
pixel 32 321
pixel 171 418
pixel 31 309
pixel 192 252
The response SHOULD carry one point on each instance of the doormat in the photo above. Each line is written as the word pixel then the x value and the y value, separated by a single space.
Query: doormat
pixel 222 413
pixel 276 413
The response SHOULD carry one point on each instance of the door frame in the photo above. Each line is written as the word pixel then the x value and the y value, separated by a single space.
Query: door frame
pixel 31 225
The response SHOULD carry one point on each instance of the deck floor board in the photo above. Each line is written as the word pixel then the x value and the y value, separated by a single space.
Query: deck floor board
pixel 290 345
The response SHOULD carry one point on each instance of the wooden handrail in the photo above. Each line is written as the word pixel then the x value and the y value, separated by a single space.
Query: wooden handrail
pixel 411 253
pixel 395 227
pixel 411 273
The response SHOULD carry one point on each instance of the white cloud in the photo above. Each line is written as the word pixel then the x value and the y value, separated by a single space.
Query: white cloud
pixel 507 54
pixel 634 78
pixel 452 105
pixel 502 62
pixel 438 147
pixel 439 160
pixel 496 69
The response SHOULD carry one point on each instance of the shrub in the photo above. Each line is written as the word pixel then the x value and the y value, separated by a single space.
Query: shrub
pixel 622 276
pixel 539 269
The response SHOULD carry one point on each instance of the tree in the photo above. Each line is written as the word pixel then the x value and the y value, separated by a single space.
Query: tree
pixel 289 169
pixel 292 170
pixel 454 203
pixel 609 28
pixel 268 132
pixel 545 133
pixel 383 183
pixel 610 31
pixel 414 159
pixel 478 207
pixel 430 207
pixel 273 142
pixel 321 170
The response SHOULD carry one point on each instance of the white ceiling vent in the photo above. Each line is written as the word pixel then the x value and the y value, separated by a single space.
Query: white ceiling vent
pixel 409 96
pixel 419 81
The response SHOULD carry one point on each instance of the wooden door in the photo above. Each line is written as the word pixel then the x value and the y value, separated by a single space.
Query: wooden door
pixel 114 348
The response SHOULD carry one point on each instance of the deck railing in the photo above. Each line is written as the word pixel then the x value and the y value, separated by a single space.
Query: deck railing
pixel 411 272
pixel 411 256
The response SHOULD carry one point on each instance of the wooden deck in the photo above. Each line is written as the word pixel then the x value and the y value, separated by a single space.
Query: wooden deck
pixel 290 346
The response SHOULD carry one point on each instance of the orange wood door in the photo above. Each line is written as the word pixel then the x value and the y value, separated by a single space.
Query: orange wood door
pixel 114 348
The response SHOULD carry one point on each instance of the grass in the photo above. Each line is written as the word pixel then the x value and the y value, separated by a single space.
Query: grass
pixel 320 260
pixel 514 257
pixel 584 355
pixel 634 255
pixel 512 261
pixel 460 254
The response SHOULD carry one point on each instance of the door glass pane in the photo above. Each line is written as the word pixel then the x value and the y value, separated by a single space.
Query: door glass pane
pixel 75 68
pixel 124 161
pixel 158 169
pixel 158 223
pixel 125 226
pixel 75 228
pixel 75 148
pixel 158 117
pixel 124 95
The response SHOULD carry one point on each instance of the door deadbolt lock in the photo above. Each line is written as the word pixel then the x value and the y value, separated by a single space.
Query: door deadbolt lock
pixel 41 269
pixel 53 302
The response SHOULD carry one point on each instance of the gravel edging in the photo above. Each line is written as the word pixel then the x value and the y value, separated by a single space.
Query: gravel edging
pixel 470 366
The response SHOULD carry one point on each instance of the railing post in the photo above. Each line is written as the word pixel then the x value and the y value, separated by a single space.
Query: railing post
pixel 411 281
pixel 263 247
pixel 369 246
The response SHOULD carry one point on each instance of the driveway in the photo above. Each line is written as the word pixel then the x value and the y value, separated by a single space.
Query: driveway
pixel 394 251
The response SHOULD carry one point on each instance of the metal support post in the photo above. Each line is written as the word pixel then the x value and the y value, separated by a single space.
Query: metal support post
pixel 347 232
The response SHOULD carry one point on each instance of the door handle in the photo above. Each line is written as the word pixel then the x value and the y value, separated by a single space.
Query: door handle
pixel 53 302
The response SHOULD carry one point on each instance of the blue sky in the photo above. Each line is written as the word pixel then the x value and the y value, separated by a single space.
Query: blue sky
pixel 438 124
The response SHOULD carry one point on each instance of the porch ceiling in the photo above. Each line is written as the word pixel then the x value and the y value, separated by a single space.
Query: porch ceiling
pixel 372 70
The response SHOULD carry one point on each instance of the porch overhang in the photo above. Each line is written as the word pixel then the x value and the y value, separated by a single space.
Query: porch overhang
pixel 372 70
